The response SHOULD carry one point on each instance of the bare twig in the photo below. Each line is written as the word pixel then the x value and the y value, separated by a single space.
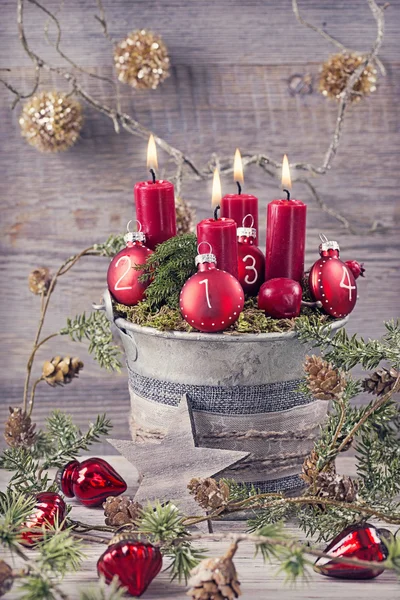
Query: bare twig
pixel 185 165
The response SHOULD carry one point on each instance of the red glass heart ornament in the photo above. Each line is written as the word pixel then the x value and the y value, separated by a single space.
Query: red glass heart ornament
pixel 357 541
pixel 90 481
pixel 135 563
pixel 49 509
pixel 280 298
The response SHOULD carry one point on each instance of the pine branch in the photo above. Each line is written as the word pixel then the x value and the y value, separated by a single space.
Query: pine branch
pixel 96 329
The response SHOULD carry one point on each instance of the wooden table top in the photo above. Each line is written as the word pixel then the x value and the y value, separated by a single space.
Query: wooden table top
pixel 258 580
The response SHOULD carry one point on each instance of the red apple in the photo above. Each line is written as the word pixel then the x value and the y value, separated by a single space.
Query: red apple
pixel 356 268
pixel 280 298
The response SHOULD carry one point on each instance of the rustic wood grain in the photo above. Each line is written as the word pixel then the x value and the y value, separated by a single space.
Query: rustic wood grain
pixel 258 580
pixel 228 88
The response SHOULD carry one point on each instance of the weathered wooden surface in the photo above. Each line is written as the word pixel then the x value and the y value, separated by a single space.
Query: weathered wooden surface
pixel 258 580
pixel 228 88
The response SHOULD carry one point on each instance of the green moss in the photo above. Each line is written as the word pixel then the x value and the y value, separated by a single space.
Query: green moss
pixel 251 320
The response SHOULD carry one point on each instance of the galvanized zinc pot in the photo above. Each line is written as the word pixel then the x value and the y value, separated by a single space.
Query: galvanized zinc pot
pixel 243 390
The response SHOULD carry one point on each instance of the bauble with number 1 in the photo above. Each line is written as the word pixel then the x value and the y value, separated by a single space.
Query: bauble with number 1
pixel 122 276
pixel 280 298
pixel 211 300
pixel 251 261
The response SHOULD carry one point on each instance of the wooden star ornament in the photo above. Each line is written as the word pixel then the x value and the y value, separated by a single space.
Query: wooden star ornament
pixel 166 468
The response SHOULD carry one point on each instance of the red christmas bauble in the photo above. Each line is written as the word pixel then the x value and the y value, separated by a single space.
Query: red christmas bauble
pixel 332 282
pixel 360 541
pixel 90 481
pixel 135 563
pixel 280 298
pixel 211 300
pixel 122 278
pixel 251 265
pixel 49 509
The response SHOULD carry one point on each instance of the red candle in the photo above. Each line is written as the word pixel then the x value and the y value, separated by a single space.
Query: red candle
pixel 220 233
pixel 155 204
pixel 239 206
pixel 286 235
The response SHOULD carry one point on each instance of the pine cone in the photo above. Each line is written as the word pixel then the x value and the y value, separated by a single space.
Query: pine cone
pixel 185 216
pixel 209 493
pixel 19 429
pixel 214 579
pixel 61 370
pixel 121 510
pixel 39 280
pixel 323 380
pixel 337 487
pixel 309 469
pixel 6 578
pixel 381 382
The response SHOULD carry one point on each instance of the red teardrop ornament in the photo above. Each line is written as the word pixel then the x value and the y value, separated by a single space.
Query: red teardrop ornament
pixel 332 282
pixel 357 541
pixel 135 563
pixel 90 481
pixel 49 509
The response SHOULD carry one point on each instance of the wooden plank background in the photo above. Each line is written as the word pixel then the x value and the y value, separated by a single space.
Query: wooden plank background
pixel 228 87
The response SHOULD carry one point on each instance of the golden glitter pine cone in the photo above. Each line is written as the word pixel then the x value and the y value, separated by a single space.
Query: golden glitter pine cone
pixel 19 430
pixel 51 121
pixel 381 381
pixel 121 510
pixel 214 579
pixel 323 380
pixel 336 71
pixel 59 371
pixel 39 280
pixel 209 493
pixel 141 60
pixel 185 216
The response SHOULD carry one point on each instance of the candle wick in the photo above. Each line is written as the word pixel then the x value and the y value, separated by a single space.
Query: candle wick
pixel 153 175
pixel 216 209
pixel 287 193
pixel 239 187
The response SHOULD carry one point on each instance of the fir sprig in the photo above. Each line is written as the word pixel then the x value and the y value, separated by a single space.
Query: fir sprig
pixel 168 268
pixel 103 591
pixel 111 247
pixel 96 329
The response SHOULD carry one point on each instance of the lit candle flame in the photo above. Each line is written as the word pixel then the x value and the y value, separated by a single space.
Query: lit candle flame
pixel 286 179
pixel 216 189
pixel 152 162
pixel 238 167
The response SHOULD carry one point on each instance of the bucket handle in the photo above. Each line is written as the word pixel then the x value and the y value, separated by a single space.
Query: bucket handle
pixel 107 307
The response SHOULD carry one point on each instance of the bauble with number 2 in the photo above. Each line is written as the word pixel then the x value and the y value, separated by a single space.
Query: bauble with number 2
pixel 280 298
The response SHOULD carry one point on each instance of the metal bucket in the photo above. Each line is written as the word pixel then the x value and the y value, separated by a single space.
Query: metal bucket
pixel 243 390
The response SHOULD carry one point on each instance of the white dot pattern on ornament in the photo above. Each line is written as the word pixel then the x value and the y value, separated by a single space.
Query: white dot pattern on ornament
pixel 336 314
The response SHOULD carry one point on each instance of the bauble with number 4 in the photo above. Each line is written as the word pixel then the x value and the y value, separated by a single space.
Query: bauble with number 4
pixel 280 298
